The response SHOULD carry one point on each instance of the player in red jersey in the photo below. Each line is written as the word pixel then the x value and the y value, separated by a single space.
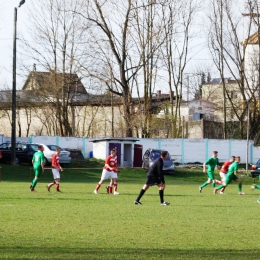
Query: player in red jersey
pixel 109 171
pixel 56 168
pixel 224 170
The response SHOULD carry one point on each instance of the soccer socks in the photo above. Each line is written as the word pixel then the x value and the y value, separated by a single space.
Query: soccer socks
pixel 239 187
pixel 57 186
pixel 257 187
pixel 218 182
pixel 115 186
pixel 222 190
pixel 51 184
pixel 161 195
pixel 213 184
pixel 110 188
pixel 204 184
pixel 98 186
pixel 34 182
pixel 140 195
pixel 220 187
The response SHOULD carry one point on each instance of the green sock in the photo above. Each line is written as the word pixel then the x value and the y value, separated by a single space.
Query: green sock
pixel 34 182
pixel 204 184
pixel 213 184
pixel 257 187
pixel 239 187
pixel 220 187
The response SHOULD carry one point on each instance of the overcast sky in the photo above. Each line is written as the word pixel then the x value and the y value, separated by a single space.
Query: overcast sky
pixel 6 37
pixel 199 50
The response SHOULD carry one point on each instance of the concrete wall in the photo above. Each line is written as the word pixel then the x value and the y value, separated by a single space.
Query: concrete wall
pixel 100 150
pixel 182 150
pixel 198 150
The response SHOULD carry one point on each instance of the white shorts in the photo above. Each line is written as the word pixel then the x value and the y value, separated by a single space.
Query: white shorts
pixel 56 174
pixel 108 175
pixel 222 176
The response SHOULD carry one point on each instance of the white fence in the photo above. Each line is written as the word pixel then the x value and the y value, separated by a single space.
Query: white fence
pixel 182 150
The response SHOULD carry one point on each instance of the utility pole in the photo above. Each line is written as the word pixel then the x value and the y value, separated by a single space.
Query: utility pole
pixel 247 133
pixel 13 136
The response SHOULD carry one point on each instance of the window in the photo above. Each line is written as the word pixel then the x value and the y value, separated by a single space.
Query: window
pixel 197 116
pixel 233 94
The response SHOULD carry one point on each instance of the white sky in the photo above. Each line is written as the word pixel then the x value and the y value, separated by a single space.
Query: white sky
pixel 6 38
pixel 199 52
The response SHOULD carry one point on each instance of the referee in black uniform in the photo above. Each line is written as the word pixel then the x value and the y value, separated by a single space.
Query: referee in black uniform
pixel 155 177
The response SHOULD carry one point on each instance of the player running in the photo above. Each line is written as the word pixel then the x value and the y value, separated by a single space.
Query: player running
pixel 212 162
pixel 109 171
pixel 224 170
pixel 254 186
pixel 56 168
pixel 232 175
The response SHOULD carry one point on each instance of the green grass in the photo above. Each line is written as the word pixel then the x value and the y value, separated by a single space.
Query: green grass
pixel 78 224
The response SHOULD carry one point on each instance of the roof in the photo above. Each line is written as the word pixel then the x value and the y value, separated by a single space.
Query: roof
pixel 22 96
pixel 120 139
pixel 220 81
pixel 253 39
pixel 47 80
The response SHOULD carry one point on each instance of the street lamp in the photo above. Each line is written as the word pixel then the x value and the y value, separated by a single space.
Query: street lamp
pixel 247 133
pixel 13 138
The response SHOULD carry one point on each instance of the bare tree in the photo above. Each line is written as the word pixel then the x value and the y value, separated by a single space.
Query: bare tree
pixel 230 53
pixel 114 44
pixel 149 38
pixel 56 47
pixel 177 22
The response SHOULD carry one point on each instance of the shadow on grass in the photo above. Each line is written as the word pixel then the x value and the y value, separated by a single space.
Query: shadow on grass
pixel 19 252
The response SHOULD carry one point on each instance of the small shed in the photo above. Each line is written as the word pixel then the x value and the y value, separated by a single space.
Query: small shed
pixel 128 153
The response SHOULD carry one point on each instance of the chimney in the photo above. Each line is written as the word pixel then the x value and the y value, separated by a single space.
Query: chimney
pixel 158 93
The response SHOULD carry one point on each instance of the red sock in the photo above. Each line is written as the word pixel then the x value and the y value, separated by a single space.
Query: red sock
pixel 57 186
pixel 51 184
pixel 115 186
pixel 110 189
pixel 98 186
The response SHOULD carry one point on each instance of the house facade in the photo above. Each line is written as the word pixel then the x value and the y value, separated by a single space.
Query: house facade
pixel 214 92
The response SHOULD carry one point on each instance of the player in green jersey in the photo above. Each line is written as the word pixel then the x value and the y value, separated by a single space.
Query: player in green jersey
pixel 212 162
pixel 254 186
pixel 38 166
pixel 232 175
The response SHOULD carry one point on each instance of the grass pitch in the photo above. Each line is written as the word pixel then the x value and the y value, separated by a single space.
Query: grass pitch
pixel 77 224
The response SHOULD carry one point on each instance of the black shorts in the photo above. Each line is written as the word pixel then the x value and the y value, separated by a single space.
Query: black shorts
pixel 153 180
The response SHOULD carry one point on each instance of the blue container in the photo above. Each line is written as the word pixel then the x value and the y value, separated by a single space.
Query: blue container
pixel 91 154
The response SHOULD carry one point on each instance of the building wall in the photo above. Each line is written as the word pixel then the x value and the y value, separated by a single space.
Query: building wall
pixel 252 65
pixel 214 93
pixel 89 121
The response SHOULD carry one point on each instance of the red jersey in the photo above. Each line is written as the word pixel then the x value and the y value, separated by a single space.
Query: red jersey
pixel 55 162
pixel 111 161
pixel 225 167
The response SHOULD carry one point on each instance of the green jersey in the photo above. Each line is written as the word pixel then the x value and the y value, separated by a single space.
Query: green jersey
pixel 232 168
pixel 38 159
pixel 212 163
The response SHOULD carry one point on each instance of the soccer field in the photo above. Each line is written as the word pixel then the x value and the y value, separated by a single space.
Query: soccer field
pixel 77 224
